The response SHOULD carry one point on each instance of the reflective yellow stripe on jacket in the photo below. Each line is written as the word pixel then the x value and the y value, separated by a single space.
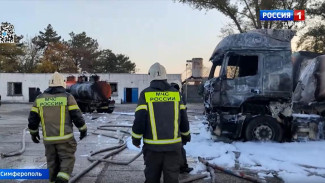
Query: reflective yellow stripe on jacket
pixel 182 107
pixel 54 102
pixel 140 107
pixel 54 138
pixel 64 175
pixel 165 141
pixel 137 136
pixel 73 107
pixel 34 109
pixel 185 133
pixel 33 131
pixel 84 127
pixel 165 96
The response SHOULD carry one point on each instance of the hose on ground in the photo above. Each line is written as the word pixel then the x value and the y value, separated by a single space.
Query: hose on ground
pixel 113 150
pixel 193 178
pixel 95 161
pixel 212 174
pixel 19 152
pixel 230 172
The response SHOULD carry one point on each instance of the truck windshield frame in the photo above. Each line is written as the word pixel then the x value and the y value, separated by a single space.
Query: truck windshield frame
pixel 235 65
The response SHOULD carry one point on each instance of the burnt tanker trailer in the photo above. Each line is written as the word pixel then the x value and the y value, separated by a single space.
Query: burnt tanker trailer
pixel 91 95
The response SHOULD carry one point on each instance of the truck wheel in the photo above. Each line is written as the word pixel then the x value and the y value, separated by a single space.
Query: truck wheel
pixel 82 107
pixel 263 128
pixel 110 110
pixel 100 110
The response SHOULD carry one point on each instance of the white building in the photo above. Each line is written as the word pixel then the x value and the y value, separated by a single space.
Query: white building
pixel 19 87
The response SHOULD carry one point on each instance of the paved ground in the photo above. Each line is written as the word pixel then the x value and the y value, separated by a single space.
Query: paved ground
pixel 13 119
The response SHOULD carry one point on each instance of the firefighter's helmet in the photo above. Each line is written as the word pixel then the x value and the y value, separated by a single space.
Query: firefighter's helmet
pixel 157 72
pixel 57 80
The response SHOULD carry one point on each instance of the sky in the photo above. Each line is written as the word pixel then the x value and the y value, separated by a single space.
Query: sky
pixel 147 31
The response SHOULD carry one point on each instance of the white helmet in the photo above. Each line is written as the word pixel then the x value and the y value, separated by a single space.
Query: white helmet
pixel 57 80
pixel 157 72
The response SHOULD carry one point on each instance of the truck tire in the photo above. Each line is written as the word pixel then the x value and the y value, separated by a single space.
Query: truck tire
pixel 110 109
pixel 263 128
pixel 85 108
pixel 101 110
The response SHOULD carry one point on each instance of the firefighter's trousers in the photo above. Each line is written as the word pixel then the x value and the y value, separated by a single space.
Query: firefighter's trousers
pixel 60 159
pixel 167 163
pixel 184 163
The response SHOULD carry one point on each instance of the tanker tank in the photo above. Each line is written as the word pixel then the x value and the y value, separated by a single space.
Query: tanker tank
pixel 91 95
pixel 97 91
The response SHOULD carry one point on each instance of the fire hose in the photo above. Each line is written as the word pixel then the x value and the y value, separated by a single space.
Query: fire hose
pixel 113 150
pixel 117 149
pixel 19 152
pixel 229 172
pixel 95 161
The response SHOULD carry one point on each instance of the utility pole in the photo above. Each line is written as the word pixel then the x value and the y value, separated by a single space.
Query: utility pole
pixel 186 79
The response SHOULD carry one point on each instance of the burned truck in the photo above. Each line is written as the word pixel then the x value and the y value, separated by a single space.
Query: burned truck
pixel 257 88
pixel 91 94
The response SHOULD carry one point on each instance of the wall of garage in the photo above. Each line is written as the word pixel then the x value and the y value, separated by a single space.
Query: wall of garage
pixel 16 87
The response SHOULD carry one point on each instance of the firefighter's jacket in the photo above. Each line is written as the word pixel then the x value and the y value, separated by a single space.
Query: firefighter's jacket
pixel 55 109
pixel 160 118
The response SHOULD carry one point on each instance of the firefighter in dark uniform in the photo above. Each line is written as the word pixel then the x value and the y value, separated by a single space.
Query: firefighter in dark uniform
pixel 184 166
pixel 161 120
pixel 56 110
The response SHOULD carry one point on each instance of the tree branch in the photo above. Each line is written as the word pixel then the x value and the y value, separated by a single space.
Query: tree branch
pixel 250 12
pixel 257 12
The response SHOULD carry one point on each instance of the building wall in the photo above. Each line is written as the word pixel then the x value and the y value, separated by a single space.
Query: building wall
pixel 192 94
pixel 140 81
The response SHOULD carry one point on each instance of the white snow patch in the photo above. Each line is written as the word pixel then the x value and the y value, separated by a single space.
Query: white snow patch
pixel 130 146
pixel 125 113
pixel 199 167
pixel 289 177
pixel 293 162
pixel 306 115
pixel 226 160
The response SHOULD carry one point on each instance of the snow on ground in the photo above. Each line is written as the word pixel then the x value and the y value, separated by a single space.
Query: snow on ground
pixel 293 162
pixel 125 113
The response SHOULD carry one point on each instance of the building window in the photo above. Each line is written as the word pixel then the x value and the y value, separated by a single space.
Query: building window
pixel 15 89
pixel 242 66
pixel 114 88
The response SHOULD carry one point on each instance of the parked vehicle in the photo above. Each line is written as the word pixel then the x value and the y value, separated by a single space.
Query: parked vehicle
pixel 249 94
pixel 91 95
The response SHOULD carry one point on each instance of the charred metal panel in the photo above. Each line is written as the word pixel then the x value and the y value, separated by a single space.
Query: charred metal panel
pixel 234 92
pixel 231 125
pixel 306 87
pixel 277 74
pixel 311 85
pixel 307 127
pixel 299 60
pixel 320 76
pixel 266 39
pixel 216 94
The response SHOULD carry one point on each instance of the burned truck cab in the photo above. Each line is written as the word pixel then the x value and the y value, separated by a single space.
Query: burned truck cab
pixel 250 85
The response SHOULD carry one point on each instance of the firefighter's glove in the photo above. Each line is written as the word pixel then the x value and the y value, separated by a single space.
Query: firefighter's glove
pixel 83 134
pixel 136 142
pixel 186 138
pixel 35 137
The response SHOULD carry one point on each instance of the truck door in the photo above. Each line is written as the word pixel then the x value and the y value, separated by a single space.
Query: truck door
pixel 212 87
pixel 241 77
